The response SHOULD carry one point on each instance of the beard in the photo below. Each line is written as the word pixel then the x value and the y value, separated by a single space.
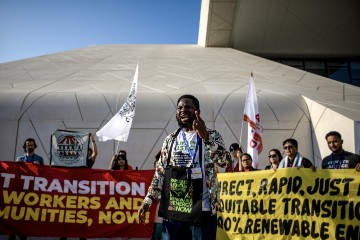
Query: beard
pixel 337 151
pixel 187 124
pixel 30 150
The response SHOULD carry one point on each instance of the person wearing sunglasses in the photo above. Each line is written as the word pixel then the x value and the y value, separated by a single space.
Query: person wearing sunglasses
pixel 339 158
pixel 293 158
pixel 236 151
pixel 274 159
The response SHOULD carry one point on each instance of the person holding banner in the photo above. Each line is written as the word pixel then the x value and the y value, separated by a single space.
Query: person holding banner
pixel 29 147
pixel 246 163
pixel 274 159
pixel 188 158
pixel 30 156
pixel 92 152
pixel 293 158
pixel 236 152
pixel 339 158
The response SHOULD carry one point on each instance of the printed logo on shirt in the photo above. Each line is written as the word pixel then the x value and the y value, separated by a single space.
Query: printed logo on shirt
pixel 181 154
pixel 338 164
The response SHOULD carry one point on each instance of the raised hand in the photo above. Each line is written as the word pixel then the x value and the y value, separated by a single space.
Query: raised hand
pixel 200 127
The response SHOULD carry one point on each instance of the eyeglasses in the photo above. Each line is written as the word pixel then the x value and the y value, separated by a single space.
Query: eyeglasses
pixel 289 147
pixel 272 156
pixel 246 160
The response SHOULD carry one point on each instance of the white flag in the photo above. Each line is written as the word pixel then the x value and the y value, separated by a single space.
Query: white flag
pixel 252 116
pixel 118 127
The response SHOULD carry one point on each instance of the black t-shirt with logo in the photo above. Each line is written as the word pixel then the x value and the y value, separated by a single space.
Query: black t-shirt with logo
pixel 344 160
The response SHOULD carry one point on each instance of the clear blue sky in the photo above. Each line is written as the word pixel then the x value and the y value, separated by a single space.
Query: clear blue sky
pixel 30 28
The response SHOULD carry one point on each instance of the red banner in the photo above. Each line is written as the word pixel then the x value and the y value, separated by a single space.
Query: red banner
pixel 72 202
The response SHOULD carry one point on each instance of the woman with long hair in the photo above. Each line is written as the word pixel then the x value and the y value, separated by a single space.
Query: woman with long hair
pixel 274 159
pixel 119 162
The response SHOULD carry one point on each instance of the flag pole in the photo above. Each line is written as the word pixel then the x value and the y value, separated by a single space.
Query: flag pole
pixel 117 146
pixel 242 126
pixel 242 122
pixel 239 160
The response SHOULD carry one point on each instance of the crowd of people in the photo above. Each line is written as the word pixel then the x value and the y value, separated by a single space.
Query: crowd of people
pixel 201 150
pixel 183 148
pixel 118 162
pixel 338 159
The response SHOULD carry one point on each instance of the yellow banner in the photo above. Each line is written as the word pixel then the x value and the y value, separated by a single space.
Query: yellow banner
pixel 290 204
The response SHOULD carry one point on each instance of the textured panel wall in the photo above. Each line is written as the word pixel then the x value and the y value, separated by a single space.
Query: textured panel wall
pixel 84 88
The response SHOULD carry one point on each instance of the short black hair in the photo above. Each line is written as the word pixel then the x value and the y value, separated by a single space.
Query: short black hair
pixel 246 154
pixel 29 140
pixel 234 146
pixel 194 99
pixel 333 133
pixel 292 141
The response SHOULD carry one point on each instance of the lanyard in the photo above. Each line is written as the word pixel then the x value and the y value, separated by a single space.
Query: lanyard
pixel 193 155
pixel 339 162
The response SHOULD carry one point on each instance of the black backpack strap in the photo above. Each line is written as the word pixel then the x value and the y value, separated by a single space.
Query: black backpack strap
pixel 171 145
pixel 200 153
